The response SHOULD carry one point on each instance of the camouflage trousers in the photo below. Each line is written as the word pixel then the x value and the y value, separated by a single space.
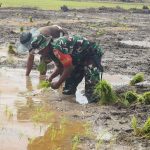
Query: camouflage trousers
pixel 92 70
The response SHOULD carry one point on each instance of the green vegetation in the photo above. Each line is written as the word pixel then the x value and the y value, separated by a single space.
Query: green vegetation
pixel 101 32
pixel 131 96
pixel 143 131
pixel 145 7
pixel 30 19
pixel 21 29
pixel 146 97
pixel 41 116
pixel 44 84
pixel 75 142
pixel 56 4
pixel 137 78
pixel 42 67
pixel 11 49
pixel 104 90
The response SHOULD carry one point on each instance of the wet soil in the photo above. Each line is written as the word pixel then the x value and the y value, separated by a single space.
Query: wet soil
pixel 111 125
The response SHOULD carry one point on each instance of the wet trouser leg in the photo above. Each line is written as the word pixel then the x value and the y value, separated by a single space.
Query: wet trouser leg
pixel 92 77
pixel 75 78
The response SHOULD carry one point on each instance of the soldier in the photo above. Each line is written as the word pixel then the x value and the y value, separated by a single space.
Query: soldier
pixel 54 31
pixel 75 57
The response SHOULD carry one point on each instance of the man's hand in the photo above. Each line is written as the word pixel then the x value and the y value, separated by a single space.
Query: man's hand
pixel 55 85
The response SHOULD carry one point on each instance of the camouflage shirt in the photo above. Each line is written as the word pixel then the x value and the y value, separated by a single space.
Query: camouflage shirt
pixel 77 47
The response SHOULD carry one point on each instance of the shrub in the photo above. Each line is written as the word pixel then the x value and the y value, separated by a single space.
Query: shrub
pixel 104 90
pixel 44 84
pixel 137 78
pixel 131 96
pixel 146 97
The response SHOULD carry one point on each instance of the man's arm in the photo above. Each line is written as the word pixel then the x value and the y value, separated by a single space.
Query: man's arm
pixel 29 64
pixel 58 70
pixel 66 61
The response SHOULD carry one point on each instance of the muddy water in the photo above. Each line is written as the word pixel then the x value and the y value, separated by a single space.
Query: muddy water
pixel 19 115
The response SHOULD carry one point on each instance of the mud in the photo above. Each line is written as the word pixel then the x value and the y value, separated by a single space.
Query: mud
pixel 111 125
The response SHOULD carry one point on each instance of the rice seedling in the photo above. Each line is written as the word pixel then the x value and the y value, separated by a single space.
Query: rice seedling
pixel 143 131
pixel 48 23
pixel 131 96
pixel 75 142
pixel 8 112
pixel 140 99
pixel 42 67
pixel 137 78
pixel 11 49
pixel 30 19
pixel 21 29
pixel 41 116
pixel 44 84
pixel 146 97
pixel 104 90
pixel 101 32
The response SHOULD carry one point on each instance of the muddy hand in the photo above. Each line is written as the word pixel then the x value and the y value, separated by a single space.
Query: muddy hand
pixel 55 85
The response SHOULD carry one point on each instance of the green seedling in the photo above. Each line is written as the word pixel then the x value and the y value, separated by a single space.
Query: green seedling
pixel 44 84
pixel 101 32
pixel 146 97
pixel 30 19
pixel 21 29
pixel 75 142
pixel 42 67
pixel 48 23
pixel 141 99
pixel 145 7
pixel 11 49
pixel 41 116
pixel 8 112
pixel 131 96
pixel 104 90
pixel 146 127
pixel 137 78
pixel 143 131
pixel 134 124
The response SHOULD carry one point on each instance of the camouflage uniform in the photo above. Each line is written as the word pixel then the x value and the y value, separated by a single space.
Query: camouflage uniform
pixel 86 58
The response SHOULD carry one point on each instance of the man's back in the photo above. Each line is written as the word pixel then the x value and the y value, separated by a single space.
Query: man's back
pixel 54 31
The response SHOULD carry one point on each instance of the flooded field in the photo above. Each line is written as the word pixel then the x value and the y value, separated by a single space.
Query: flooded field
pixel 37 119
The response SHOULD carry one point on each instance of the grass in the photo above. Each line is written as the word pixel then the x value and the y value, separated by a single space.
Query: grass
pixel 56 4
pixel 104 90
pixel 139 77
pixel 144 130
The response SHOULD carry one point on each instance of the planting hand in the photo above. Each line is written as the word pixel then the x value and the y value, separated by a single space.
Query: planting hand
pixel 55 85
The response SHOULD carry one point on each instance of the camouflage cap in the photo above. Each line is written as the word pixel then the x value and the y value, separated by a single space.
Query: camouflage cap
pixel 30 41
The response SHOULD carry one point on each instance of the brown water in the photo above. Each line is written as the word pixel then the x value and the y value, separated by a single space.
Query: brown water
pixel 18 115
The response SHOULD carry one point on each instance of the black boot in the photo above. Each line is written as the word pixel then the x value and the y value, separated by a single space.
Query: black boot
pixel 69 91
